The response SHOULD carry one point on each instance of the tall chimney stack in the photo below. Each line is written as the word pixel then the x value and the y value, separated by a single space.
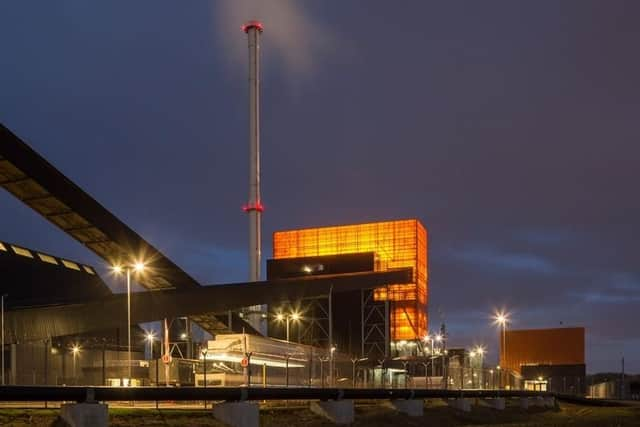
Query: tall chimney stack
pixel 254 207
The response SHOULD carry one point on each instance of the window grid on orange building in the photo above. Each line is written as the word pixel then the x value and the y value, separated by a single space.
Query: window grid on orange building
pixel 396 244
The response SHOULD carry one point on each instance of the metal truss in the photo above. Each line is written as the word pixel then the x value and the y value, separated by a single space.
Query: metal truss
pixel 375 326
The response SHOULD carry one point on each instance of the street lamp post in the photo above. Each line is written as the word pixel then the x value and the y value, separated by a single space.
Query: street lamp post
pixel 431 340
pixel 472 355
pixel 426 373
pixel 427 339
pixel 353 372
pixel 149 338
pixel 406 373
pixel 439 341
pixel 286 369
pixel 355 360
pixel 480 352
pixel 129 325
pixel 138 267
pixel 322 360
pixel 383 373
pixel 288 319
pixel 75 350
pixel 204 367
pixel 332 366
pixel 247 356
pixel 204 371
pixel 501 318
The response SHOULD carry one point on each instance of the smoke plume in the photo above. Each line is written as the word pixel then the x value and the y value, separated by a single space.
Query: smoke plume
pixel 291 36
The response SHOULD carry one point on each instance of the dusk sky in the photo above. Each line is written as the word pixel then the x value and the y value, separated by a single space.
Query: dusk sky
pixel 510 129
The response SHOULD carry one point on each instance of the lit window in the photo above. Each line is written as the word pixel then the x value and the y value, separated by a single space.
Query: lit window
pixel 21 251
pixel 71 265
pixel 47 258
pixel 2 247
pixel 88 269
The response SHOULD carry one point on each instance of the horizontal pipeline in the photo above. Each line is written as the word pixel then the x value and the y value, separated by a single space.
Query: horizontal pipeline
pixel 83 394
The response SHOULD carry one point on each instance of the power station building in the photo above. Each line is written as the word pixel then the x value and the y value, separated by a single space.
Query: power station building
pixel 546 359
pixel 375 323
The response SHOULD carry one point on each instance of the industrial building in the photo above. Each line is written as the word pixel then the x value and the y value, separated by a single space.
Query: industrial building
pixel 546 359
pixel 375 323
pixel 381 267
pixel 33 279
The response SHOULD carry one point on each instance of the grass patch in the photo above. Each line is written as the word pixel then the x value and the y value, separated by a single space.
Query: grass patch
pixel 437 413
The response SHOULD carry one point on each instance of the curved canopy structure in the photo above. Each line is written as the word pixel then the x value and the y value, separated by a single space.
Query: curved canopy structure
pixel 42 187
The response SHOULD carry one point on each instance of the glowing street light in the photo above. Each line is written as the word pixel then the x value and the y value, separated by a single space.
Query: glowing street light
pixel 295 316
pixel 429 339
pixel 75 351
pixel 501 318
pixel 150 337
pixel 137 267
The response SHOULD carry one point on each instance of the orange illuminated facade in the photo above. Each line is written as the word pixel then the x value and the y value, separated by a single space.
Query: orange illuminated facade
pixel 556 346
pixel 396 244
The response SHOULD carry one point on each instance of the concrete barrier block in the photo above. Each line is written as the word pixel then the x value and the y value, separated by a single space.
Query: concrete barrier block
pixel 550 402
pixel 238 414
pixel 338 411
pixel 85 414
pixel 411 407
pixel 537 401
pixel 524 403
pixel 461 404
pixel 497 403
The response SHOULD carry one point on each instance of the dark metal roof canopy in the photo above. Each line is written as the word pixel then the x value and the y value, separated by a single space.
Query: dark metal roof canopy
pixel 40 323
pixel 39 185
pixel 32 278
